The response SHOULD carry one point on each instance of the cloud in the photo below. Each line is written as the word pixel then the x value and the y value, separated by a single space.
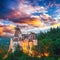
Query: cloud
pixel 34 21
pixel 26 10
pixel 6 28
pixel 45 16
pixel 49 21
pixel 29 9
pixel 26 24
pixel 56 14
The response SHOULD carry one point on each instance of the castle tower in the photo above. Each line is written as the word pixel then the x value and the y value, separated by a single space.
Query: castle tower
pixel 33 38
pixel 16 39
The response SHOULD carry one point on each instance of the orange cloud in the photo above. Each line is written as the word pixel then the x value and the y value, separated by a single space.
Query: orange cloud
pixel 31 21
pixel 5 30
pixel 55 25
pixel 1 30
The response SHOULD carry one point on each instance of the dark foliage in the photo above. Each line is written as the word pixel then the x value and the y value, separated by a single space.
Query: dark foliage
pixel 47 42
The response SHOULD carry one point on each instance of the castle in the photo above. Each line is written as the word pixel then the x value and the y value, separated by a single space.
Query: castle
pixel 26 41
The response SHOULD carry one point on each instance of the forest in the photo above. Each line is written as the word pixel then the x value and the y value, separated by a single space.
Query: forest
pixel 48 47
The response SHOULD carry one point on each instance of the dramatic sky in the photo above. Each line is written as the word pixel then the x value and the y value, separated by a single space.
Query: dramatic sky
pixel 26 8
pixel 38 13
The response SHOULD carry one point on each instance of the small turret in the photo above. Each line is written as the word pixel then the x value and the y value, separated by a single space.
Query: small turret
pixel 32 36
